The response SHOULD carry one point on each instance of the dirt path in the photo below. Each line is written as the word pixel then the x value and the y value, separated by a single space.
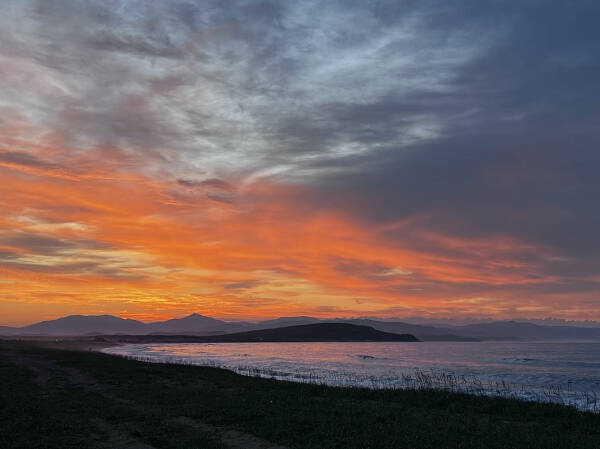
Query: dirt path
pixel 117 439
pixel 50 374
pixel 232 438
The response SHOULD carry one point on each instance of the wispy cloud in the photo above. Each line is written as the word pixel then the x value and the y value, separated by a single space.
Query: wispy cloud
pixel 269 157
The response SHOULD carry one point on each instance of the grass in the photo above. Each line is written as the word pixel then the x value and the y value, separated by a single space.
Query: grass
pixel 68 399
pixel 414 380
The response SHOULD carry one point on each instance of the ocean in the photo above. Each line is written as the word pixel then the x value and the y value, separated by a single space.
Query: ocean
pixel 564 372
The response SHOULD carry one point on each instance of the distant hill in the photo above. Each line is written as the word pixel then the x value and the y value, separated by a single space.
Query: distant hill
pixel 84 325
pixel 194 323
pixel 425 333
pixel 199 325
pixel 464 321
pixel 287 321
pixel 317 332
pixel 515 330
pixel 111 325
pixel 7 330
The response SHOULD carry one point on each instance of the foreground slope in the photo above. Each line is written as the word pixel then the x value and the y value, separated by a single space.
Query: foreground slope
pixel 55 399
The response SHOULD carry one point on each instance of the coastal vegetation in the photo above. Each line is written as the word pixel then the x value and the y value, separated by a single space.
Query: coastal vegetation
pixel 57 398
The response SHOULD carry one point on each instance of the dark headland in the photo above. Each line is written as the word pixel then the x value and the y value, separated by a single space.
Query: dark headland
pixel 318 332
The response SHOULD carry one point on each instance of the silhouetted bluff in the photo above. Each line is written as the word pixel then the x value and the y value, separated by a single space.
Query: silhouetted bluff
pixel 318 332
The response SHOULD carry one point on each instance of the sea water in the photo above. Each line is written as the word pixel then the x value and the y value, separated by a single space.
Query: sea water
pixel 566 372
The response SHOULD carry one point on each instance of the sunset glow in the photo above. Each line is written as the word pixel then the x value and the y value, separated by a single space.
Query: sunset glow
pixel 239 163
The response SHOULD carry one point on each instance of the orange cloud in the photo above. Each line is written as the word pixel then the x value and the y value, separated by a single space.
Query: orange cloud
pixel 92 234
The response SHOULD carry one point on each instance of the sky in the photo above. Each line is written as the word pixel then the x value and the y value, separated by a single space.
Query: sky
pixel 256 159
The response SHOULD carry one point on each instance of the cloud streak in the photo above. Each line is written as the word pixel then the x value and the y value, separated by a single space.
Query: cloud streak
pixel 268 158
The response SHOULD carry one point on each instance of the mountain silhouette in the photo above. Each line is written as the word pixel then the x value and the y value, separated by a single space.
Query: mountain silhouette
pixel 193 323
pixel 81 324
pixel 316 332
pixel 196 324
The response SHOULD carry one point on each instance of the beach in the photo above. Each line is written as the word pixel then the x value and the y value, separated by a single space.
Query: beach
pixel 63 398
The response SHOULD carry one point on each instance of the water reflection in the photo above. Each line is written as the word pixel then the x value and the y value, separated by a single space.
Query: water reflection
pixel 531 367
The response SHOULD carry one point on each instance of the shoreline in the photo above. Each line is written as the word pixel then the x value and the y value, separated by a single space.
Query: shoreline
pixel 414 379
pixel 411 379
pixel 57 398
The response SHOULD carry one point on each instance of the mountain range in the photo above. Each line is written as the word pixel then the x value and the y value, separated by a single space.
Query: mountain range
pixel 195 324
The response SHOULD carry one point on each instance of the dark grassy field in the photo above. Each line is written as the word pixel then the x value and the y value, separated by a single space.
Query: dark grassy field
pixel 52 398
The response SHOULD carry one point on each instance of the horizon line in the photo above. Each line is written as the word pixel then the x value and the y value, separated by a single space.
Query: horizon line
pixel 464 321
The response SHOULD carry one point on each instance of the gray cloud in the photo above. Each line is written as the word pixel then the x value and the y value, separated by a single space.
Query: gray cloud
pixel 251 87
pixel 137 45
pixel 366 270
pixel 8 255
pixel 41 253
pixel 41 244
pixel 75 268
pixel 241 285
pixel 214 183
pixel 25 159
pixel 474 121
